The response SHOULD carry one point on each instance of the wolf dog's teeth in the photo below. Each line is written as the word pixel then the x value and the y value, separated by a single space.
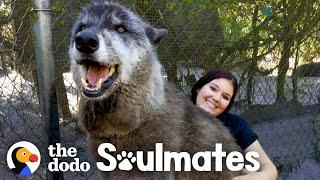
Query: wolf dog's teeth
pixel 112 70
pixel 90 89
pixel 84 83
pixel 98 85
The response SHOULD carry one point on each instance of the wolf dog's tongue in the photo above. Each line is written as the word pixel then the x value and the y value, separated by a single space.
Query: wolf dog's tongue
pixel 97 72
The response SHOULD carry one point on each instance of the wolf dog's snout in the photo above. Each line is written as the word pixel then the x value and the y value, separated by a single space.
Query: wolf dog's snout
pixel 87 42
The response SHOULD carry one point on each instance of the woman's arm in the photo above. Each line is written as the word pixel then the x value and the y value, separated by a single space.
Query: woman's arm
pixel 267 171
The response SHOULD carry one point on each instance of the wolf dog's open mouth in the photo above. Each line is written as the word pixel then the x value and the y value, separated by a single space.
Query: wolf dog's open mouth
pixel 98 77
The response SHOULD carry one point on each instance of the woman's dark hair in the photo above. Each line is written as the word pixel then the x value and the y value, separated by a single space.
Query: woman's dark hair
pixel 208 77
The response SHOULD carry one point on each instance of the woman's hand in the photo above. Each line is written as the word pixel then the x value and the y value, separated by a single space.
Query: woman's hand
pixel 253 176
pixel 267 170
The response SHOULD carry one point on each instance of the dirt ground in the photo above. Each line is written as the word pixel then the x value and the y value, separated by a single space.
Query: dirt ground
pixel 289 143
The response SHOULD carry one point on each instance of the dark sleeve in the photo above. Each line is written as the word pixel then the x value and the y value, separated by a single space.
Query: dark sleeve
pixel 245 135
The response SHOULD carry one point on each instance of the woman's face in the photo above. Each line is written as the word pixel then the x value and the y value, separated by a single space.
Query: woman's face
pixel 215 96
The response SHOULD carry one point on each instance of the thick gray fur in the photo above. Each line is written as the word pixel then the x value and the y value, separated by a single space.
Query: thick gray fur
pixel 141 108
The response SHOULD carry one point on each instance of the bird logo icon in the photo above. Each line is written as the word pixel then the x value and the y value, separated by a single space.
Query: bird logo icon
pixel 23 158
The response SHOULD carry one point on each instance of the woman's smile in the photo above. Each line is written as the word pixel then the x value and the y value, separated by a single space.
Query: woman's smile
pixel 215 96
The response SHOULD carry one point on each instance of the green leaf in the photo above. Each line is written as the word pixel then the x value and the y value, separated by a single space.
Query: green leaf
pixel 267 11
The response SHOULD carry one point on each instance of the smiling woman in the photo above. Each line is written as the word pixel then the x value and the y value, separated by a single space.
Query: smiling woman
pixel 215 96
pixel 215 93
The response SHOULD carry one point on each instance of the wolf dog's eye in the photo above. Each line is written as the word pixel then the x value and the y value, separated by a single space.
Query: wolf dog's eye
pixel 82 27
pixel 121 29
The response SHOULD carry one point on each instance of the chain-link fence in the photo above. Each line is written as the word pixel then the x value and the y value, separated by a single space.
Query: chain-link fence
pixel 273 51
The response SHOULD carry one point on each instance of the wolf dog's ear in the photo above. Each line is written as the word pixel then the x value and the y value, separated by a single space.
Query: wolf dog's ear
pixel 155 35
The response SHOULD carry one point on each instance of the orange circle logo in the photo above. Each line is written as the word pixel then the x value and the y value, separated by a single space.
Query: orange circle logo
pixel 23 158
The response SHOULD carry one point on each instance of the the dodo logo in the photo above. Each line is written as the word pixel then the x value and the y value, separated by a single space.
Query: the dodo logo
pixel 23 158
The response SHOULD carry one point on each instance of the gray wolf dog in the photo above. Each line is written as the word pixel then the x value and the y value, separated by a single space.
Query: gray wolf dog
pixel 126 102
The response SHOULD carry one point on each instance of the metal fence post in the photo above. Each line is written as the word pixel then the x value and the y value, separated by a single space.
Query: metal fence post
pixel 45 67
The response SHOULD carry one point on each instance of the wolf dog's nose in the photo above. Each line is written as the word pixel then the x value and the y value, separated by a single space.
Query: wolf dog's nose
pixel 87 42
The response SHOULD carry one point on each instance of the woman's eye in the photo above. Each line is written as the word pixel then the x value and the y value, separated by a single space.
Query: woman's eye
pixel 226 98
pixel 121 29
